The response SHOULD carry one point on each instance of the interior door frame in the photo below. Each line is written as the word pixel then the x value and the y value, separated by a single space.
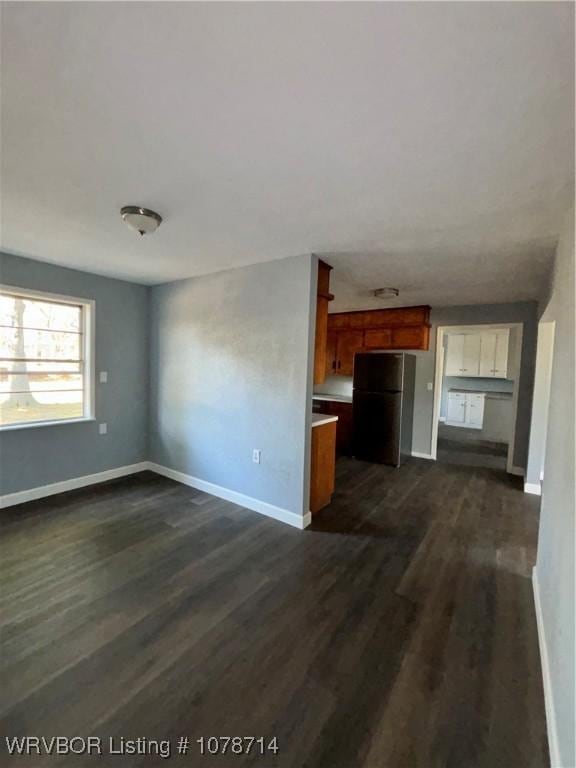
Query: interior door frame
pixel 441 331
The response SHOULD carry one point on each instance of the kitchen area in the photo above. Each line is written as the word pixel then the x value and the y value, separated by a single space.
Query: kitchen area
pixel 477 406
pixel 363 386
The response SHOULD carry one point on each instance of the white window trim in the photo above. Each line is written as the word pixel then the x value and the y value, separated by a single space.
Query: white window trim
pixel 89 350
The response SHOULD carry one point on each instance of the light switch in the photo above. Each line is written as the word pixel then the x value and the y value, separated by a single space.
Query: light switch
pixel 103 428
pixel 429 386
pixel 103 377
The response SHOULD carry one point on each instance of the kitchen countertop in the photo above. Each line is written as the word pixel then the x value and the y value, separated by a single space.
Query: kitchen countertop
pixel 495 395
pixel 322 418
pixel 332 398
pixel 481 392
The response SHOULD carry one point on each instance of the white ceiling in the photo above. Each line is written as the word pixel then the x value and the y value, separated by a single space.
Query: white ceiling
pixel 426 146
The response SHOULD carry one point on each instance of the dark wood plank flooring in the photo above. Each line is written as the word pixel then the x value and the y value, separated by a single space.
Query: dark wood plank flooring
pixel 464 446
pixel 399 631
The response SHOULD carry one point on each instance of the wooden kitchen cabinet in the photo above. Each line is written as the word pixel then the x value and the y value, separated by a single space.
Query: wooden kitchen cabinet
pixel 322 465
pixel 323 297
pixel 344 430
pixel 344 427
pixel 378 339
pixel 410 337
pixel 331 353
pixel 352 332
pixel 348 343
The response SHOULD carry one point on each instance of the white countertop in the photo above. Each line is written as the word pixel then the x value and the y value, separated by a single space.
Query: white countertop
pixel 322 418
pixel 332 398
pixel 489 394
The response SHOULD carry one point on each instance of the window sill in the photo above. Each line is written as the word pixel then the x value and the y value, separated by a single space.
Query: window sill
pixel 34 424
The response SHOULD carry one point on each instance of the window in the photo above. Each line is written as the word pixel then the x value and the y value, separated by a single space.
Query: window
pixel 45 358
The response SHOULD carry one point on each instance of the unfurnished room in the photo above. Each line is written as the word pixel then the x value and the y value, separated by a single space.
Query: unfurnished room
pixel 287 384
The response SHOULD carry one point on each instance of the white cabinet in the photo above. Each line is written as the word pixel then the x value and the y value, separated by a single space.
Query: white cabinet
pixel 471 356
pixel 482 354
pixel 463 354
pixel 474 411
pixel 494 354
pixel 465 410
pixel 456 413
pixel 454 354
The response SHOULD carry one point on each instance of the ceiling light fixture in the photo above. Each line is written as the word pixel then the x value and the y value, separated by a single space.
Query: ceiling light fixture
pixel 385 293
pixel 141 220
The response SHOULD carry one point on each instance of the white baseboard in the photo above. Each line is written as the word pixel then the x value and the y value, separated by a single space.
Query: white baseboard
pixel 442 418
pixel 284 515
pixel 419 455
pixel 534 488
pixel 555 760
pixel 11 499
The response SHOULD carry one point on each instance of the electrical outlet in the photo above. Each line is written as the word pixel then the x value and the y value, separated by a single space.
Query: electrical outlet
pixel 429 386
pixel 103 429
pixel 256 454
pixel 103 377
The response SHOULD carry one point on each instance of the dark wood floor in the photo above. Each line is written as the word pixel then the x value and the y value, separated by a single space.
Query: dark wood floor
pixel 464 446
pixel 398 632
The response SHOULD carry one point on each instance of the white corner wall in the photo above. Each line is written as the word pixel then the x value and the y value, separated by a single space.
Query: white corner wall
pixel 555 568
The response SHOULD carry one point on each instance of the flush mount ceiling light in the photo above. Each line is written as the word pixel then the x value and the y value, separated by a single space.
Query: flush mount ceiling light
pixel 385 293
pixel 141 220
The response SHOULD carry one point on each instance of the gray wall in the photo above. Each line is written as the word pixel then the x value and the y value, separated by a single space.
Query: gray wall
pixel 520 312
pixel 230 372
pixel 555 565
pixel 38 456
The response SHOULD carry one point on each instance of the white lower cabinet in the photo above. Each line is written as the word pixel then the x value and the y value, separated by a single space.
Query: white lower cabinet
pixel 456 408
pixel 474 411
pixel 465 410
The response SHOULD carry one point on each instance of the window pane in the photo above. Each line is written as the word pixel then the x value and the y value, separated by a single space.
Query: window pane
pixel 51 345
pixel 41 366
pixel 16 382
pixel 8 366
pixel 40 406
pixel 39 314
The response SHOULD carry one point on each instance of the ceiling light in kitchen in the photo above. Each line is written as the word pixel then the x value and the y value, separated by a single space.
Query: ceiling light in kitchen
pixel 141 220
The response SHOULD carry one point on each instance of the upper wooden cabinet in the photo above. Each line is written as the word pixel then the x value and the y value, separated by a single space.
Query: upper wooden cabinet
pixel 381 318
pixel 411 337
pixel 348 343
pixel 351 332
pixel 378 339
pixel 323 296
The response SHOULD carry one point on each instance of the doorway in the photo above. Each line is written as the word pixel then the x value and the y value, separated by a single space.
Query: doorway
pixel 476 395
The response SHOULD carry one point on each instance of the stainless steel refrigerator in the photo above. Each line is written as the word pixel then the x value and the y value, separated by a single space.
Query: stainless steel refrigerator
pixel 383 406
